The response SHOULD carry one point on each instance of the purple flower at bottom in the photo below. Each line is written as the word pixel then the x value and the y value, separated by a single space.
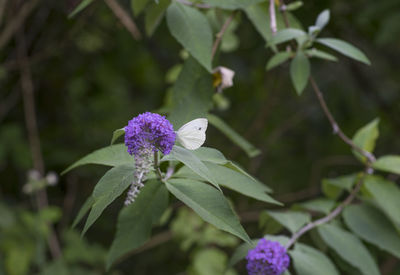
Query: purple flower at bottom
pixel 267 258
pixel 149 130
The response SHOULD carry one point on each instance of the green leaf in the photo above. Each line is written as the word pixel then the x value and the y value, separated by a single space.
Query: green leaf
pixel 240 183
pixel 387 196
pixel 278 59
pixel 113 155
pixel 320 54
pixel 135 220
pixel 286 35
pixel 344 48
pixel 191 28
pixel 191 94
pixel 110 186
pixel 209 204
pixel 116 134
pixel 84 209
pixel 366 137
pixel 241 252
pixel 310 261
pixel 211 155
pixel 349 248
pixel 154 15
pixel 218 123
pixel 372 226
pixel 191 161
pixel 300 72
pixel 388 163
pixel 232 4
pixel 319 205
pixel 81 6
pixel 292 220
pixel 333 187
pixel 138 6
pixel 322 19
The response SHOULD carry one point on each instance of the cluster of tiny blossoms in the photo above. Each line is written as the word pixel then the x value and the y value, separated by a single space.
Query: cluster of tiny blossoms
pixel 146 134
pixel 267 258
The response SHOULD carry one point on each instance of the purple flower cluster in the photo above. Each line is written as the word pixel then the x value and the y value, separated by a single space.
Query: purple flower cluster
pixel 267 258
pixel 149 130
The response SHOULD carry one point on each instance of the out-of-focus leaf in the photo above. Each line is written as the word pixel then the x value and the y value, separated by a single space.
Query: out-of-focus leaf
pixel 372 226
pixel 322 19
pixel 349 248
pixel 208 203
pixel 344 48
pixel 320 54
pixel 259 16
pixel 278 59
pixel 320 205
pixel 366 137
pixel 299 72
pixel 81 6
pixel 210 261
pixel 116 134
pixel 154 15
pixel 110 186
pixel 292 220
pixel 388 163
pixel 135 220
pixel 84 209
pixel 310 261
pixel 113 155
pixel 138 6
pixel 333 187
pixel 241 252
pixel 286 35
pixel 387 196
pixel 191 94
pixel 191 28
pixel 250 150
pixel 232 4
pixel 283 240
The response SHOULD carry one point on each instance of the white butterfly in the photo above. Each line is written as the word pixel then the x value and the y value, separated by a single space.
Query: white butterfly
pixel 193 134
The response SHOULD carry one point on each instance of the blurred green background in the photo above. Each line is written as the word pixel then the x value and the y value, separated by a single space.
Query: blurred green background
pixel 90 77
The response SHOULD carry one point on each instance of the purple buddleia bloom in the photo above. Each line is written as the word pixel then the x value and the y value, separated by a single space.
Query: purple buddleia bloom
pixel 151 131
pixel 145 135
pixel 267 258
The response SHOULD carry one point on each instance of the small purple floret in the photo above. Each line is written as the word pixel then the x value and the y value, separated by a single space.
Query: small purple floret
pixel 267 258
pixel 149 130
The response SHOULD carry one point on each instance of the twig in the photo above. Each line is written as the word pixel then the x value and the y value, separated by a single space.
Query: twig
pixel 336 129
pixel 125 19
pixel 33 134
pixel 17 22
pixel 221 33
pixel 331 215
pixel 272 16
pixel 196 5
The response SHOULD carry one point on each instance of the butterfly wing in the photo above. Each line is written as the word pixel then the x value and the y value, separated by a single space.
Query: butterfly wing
pixel 193 134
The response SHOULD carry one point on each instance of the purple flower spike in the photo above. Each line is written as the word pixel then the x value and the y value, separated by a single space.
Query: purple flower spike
pixel 149 130
pixel 267 258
